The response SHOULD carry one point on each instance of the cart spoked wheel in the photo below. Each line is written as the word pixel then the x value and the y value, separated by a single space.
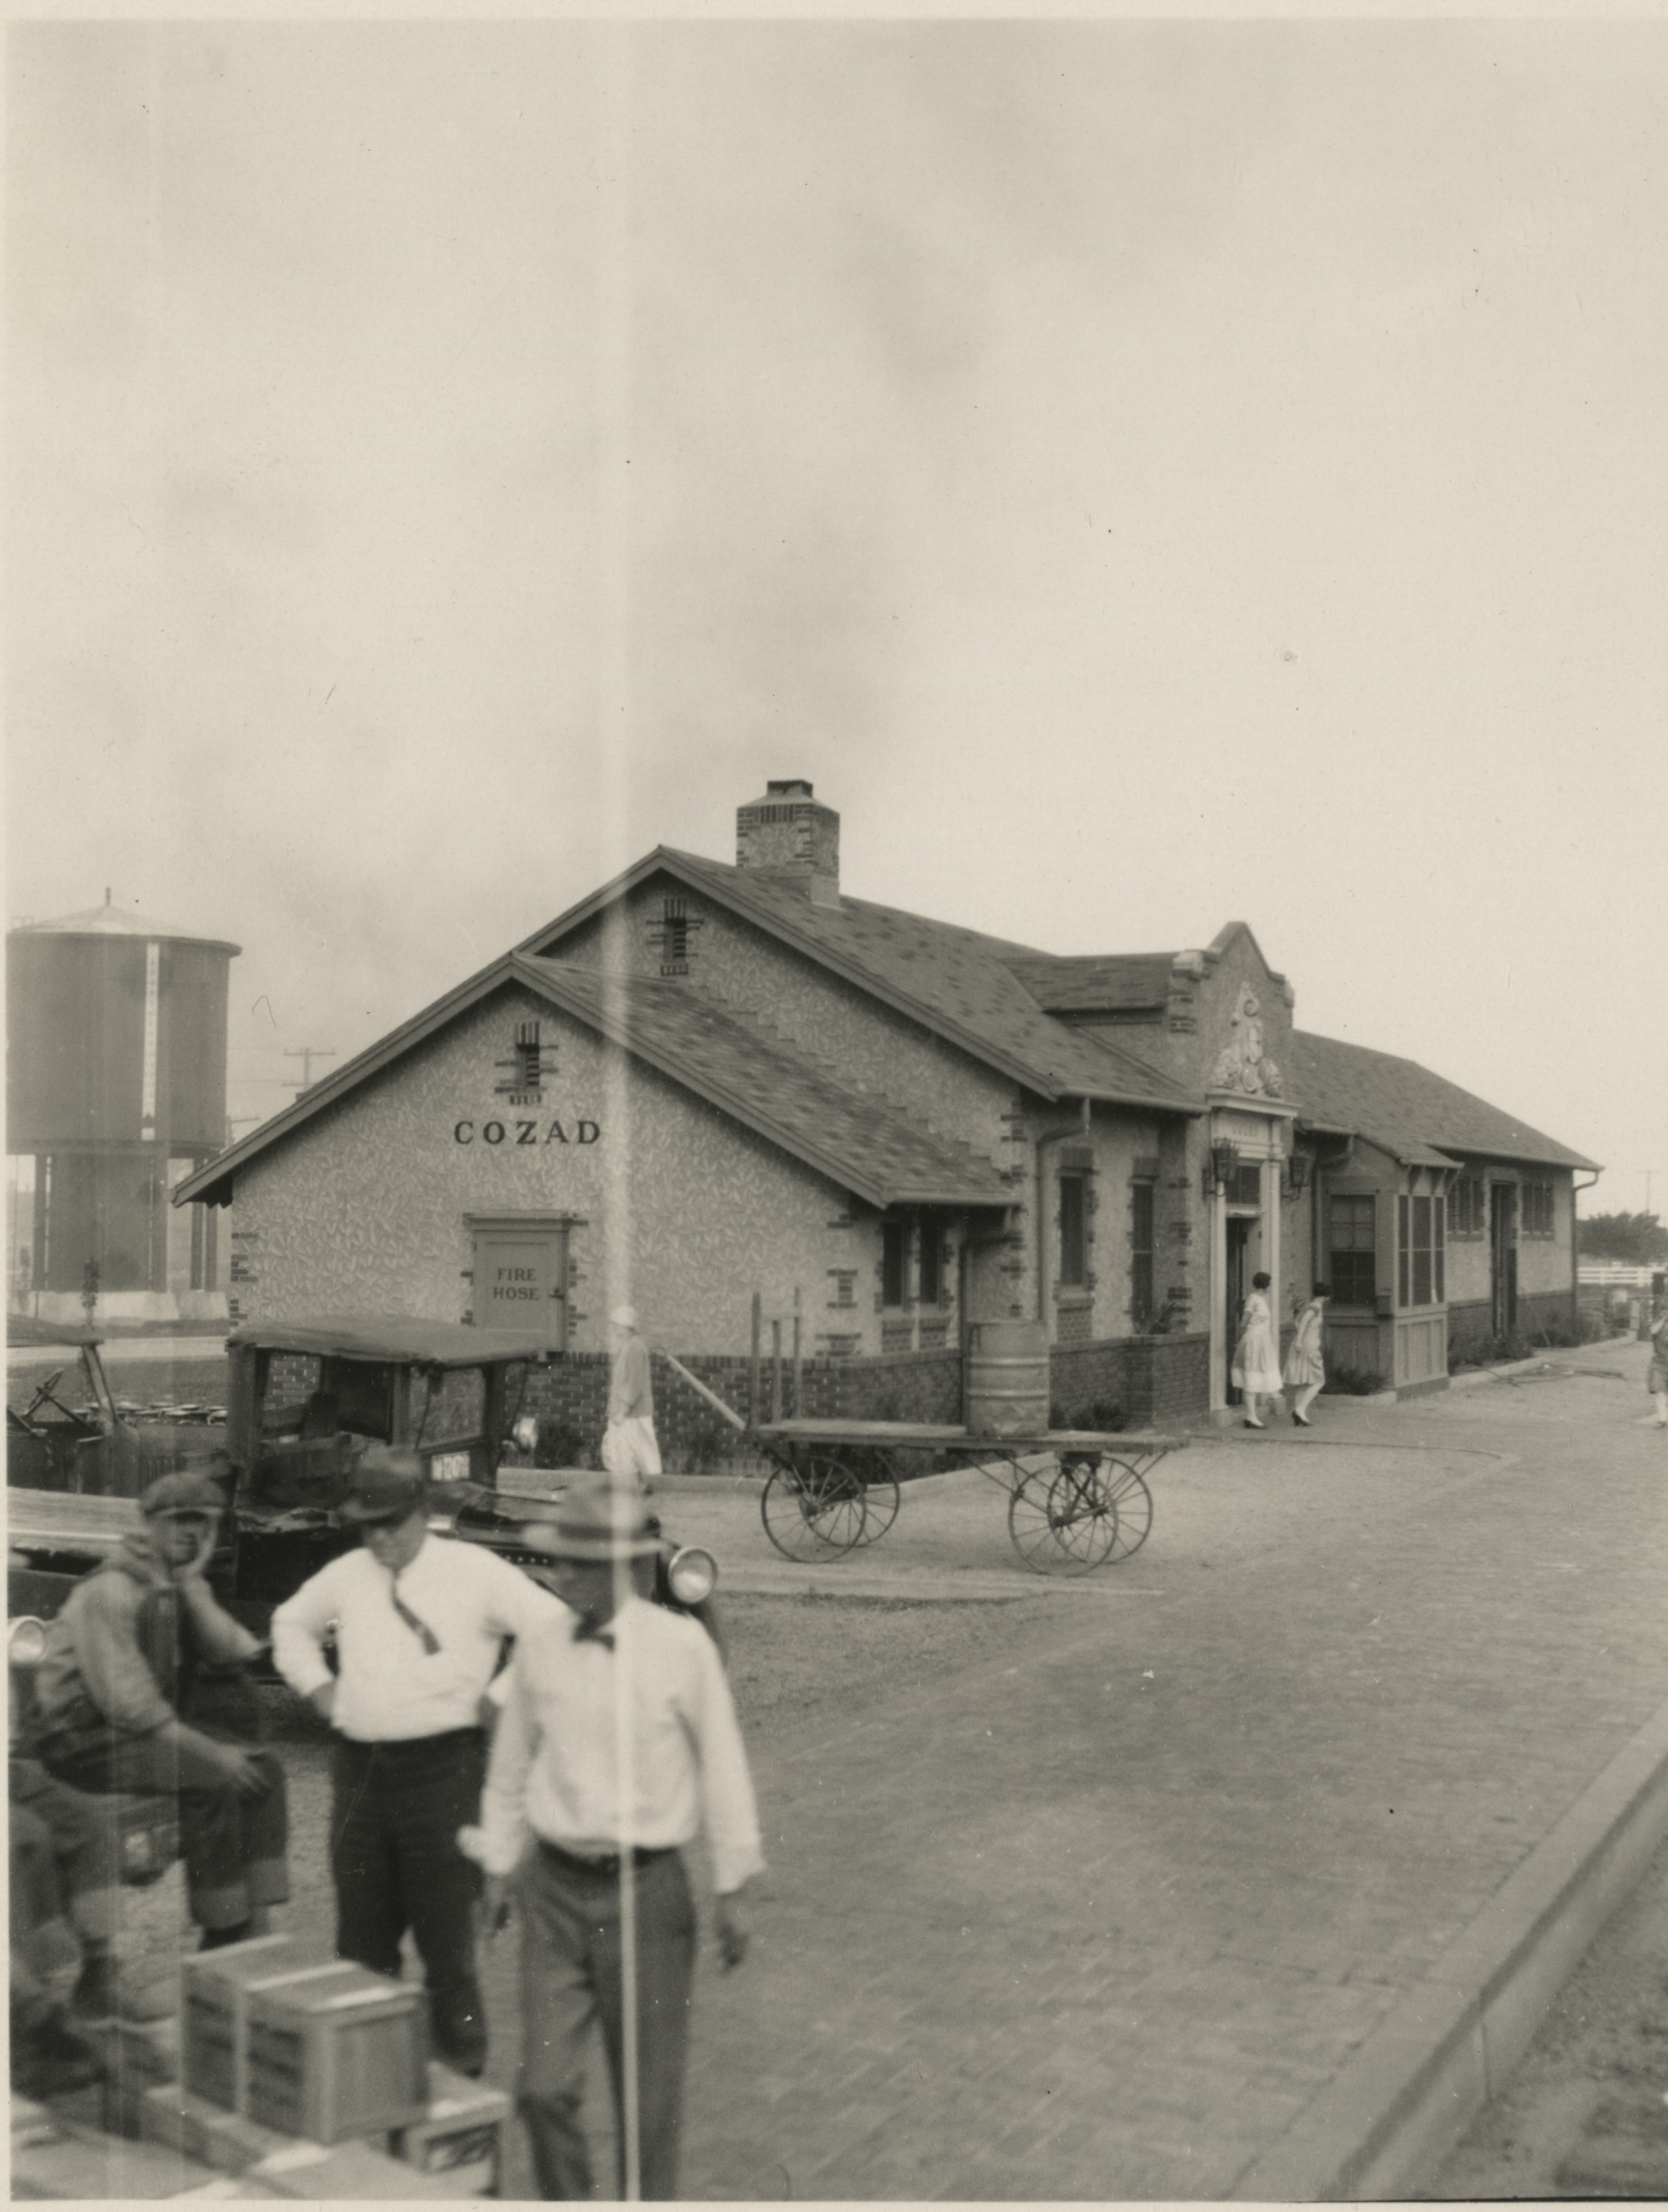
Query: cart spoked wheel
pixel 1132 1502
pixel 815 1509
pixel 881 1498
pixel 1030 1522
pixel 1082 1515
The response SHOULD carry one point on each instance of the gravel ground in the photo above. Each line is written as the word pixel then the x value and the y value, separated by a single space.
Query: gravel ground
pixel 791 1660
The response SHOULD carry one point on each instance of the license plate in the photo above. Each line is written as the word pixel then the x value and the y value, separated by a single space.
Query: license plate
pixel 449 1466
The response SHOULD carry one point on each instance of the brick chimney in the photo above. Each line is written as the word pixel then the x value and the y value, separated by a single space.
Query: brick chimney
pixel 787 833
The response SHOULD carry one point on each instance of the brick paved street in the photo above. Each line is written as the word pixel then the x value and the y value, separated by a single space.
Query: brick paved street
pixel 1100 1913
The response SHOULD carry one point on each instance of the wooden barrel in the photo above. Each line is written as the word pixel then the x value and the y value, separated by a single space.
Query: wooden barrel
pixel 1008 1378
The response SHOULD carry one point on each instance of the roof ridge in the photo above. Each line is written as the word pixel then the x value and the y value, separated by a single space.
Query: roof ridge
pixel 999 944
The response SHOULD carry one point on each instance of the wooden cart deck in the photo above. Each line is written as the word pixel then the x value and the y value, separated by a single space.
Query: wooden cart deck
pixel 1077 1497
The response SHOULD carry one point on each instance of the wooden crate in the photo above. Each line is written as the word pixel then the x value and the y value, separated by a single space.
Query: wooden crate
pixel 461 2134
pixel 218 1986
pixel 179 2120
pixel 348 2171
pixel 337 2057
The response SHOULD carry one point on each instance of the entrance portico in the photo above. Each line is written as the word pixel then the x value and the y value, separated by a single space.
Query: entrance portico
pixel 1248 1148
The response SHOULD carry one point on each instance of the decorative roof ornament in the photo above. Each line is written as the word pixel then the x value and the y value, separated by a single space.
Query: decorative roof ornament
pixel 1242 1065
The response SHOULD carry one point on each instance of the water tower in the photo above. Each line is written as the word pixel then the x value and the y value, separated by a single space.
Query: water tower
pixel 116 1090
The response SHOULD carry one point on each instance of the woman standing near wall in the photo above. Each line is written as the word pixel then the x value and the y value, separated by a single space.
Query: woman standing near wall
pixel 1255 1369
pixel 1305 1369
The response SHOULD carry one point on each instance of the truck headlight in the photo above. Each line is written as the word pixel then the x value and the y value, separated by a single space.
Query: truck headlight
pixel 691 1574
pixel 26 1642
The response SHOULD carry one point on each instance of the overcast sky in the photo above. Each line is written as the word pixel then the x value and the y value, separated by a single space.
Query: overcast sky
pixel 1147 475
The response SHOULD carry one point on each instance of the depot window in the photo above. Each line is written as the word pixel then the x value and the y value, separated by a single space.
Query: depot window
pixel 1419 1268
pixel 1141 1253
pixel 1352 1249
pixel 1468 1208
pixel 932 1262
pixel 1536 1198
pixel 894 1263
pixel 1073 1236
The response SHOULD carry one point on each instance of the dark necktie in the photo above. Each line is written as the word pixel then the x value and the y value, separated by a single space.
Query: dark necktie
pixel 590 1631
pixel 421 1628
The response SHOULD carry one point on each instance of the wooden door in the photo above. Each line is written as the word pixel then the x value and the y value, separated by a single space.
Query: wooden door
pixel 1235 1282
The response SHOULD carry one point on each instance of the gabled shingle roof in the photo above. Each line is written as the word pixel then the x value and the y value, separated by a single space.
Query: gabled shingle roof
pixel 957 982
pixel 865 1143
pixel 1414 1115
pixel 1096 983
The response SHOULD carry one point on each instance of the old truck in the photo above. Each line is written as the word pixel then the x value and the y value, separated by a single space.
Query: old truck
pixel 301 1399
pixel 67 1431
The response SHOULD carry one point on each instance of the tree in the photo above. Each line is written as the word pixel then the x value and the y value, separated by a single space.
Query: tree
pixel 1639 1238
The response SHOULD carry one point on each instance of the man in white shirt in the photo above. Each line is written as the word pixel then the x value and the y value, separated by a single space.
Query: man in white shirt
pixel 419 1623
pixel 618 1743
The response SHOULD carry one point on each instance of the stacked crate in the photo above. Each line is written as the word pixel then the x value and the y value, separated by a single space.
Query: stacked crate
pixel 304 2074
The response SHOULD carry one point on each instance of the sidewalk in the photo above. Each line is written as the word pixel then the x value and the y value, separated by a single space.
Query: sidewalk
pixel 1111 1913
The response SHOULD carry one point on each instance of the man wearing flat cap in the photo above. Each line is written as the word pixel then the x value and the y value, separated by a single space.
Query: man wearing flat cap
pixel 628 1442
pixel 113 1704
pixel 618 1744
pixel 419 1622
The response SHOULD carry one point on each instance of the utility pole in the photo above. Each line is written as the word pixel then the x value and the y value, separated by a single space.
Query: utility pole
pixel 307 1054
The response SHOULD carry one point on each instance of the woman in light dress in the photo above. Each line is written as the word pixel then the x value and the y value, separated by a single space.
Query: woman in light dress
pixel 1305 1369
pixel 1656 1381
pixel 1255 1369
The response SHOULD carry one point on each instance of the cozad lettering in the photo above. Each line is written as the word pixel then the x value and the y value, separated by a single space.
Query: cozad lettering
pixel 524 1133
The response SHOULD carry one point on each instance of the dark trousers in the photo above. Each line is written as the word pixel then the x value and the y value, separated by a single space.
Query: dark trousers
pixel 82 1837
pixel 236 1849
pixel 572 1977
pixel 396 1810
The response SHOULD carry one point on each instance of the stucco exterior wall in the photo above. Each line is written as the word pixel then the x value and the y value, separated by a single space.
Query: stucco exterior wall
pixel 1544 1262
pixel 681 1212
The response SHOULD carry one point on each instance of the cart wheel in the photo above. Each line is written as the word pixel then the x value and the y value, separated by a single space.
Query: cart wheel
pixel 1029 1522
pixel 814 1510
pixel 880 1499
pixel 1082 1514
pixel 1132 1503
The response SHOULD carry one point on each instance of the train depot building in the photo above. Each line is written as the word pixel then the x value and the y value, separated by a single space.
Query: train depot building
pixel 710 1081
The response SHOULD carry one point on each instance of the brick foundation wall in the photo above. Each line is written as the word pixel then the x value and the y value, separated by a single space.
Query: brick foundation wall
pixel 1470 1322
pixel 1150 1380
pixel 570 1398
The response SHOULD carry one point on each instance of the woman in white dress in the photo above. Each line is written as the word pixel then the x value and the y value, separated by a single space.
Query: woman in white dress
pixel 1255 1369
pixel 1305 1369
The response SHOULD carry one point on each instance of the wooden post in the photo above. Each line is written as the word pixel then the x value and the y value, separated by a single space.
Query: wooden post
pixel 799 1363
pixel 775 1371
pixel 753 1368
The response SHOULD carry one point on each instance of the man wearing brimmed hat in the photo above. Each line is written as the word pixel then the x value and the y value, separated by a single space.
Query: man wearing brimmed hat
pixel 629 1443
pixel 420 1622
pixel 114 1696
pixel 618 1744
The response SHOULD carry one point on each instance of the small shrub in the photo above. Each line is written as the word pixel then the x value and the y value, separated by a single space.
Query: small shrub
pixel 1169 1318
pixel 709 1444
pixel 1343 1381
pixel 561 1444
pixel 1515 1344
